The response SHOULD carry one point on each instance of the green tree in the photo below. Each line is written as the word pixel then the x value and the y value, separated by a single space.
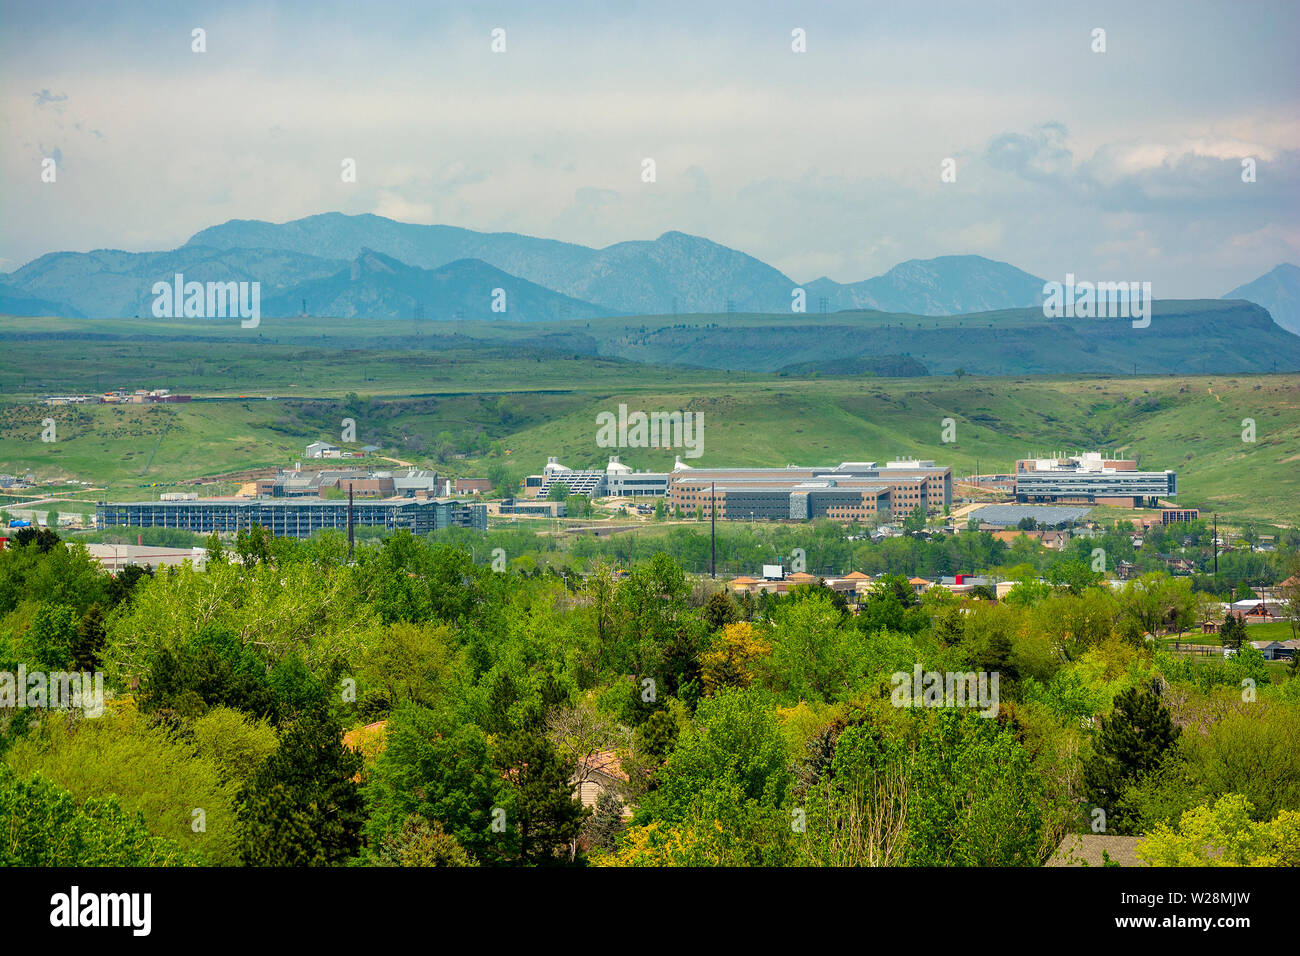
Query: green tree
pixel 253 546
pixel 977 799
pixel 423 843
pixel 915 521
pixel 123 584
pixel 1131 742
pixel 88 644
pixel 1233 632
pixel 437 767
pixel 728 779
pixel 302 807
pixel 720 611
pixel 51 635
pixel 1225 835
pixel 502 480
pixel 813 657
pixel 542 816
pixel 215 553
pixel 43 825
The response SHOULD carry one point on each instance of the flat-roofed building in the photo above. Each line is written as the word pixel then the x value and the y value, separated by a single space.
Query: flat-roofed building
pixel 621 481
pixel 850 491
pixel 294 518
pixel 1093 479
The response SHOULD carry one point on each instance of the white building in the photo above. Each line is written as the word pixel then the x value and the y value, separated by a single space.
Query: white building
pixel 322 449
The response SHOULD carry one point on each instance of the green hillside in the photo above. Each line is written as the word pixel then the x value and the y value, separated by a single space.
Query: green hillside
pixel 460 406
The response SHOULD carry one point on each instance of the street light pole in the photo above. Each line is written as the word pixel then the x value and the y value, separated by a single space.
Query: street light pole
pixel 713 529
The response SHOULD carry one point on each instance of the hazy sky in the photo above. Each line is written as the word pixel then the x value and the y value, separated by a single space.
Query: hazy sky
pixel 1117 165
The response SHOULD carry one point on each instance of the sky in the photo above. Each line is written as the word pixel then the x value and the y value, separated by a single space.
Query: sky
pixel 1116 165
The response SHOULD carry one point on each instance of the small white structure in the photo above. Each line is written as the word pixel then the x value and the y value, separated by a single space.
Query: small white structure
pixel 322 449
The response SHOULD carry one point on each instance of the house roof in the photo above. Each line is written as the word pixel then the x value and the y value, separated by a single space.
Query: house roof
pixel 608 763
pixel 1086 849
pixel 361 736
pixel 743 580
pixel 800 577
pixel 856 576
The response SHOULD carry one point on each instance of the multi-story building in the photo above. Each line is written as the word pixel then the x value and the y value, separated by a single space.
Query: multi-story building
pixel 361 482
pixel 294 518
pixel 1091 479
pixel 621 481
pixel 617 480
pixel 850 491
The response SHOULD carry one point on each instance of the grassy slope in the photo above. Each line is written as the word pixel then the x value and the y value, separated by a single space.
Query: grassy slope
pixel 1191 424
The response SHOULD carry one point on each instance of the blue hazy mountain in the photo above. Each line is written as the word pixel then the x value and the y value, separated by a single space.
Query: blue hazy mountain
pixel 948 285
pixel 16 302
pixel 675 273
pixel 374 285
pixel 1279 292
pixel 639 277
pixel 108 284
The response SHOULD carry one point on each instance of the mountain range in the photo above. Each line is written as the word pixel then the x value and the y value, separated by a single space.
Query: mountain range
pixel 369 266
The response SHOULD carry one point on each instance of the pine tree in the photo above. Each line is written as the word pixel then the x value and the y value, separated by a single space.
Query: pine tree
pixel 1131 741
pixel 302 806
pixel 720 611
pixel 89 641
pixel 542 817
pixel 1233 632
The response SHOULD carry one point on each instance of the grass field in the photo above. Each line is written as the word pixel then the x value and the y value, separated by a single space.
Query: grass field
pixel 458 409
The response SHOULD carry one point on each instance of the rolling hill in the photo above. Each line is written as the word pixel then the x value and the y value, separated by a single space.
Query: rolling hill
pixel 429 399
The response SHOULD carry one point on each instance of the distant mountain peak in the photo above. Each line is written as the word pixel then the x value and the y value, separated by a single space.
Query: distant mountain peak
pixel 675 273
pixel 1278 291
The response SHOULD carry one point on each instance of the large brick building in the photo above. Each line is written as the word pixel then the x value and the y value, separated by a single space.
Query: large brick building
pixel 850 491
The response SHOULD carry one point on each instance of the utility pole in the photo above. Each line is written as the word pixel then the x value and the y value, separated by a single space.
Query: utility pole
pixel 1216 545
pixel 713 529
pixel 351 541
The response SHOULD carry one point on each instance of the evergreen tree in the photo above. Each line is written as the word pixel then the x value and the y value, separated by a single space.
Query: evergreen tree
pixel 89 641
pixel 1131 742
pixel 302 806
pixel 1233 632
pixel 543 818
pixel 720 611
pixel 123 584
